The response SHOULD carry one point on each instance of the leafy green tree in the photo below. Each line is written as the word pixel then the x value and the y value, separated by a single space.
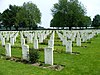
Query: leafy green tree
pixel 84 21
pixel 70 11
pixel 21 20
pixel 28 16
pixel 59 12
pixel 6 20
pixel 14 10
pixel 87 22
pixel 9 16
pixel 96 21
pixel 57 21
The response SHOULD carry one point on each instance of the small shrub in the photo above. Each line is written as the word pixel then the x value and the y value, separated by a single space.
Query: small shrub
pixel 33 55
pixel 41 49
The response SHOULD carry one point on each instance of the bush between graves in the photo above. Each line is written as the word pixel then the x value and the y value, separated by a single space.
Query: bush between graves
pixel 33 55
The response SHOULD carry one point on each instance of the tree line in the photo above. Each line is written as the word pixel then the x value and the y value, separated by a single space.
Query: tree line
pixel 72 13
pixel 66 13
pixel 26 16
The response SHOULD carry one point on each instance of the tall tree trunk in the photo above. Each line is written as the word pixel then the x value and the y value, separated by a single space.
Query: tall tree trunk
pixel 70 28
pixel 86 27
pixel 6 28
pixel 10 28
pixel 75 27
pixel 80 27
pixel 16 28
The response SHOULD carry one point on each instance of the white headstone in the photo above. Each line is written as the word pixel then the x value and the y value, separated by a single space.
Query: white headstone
pixel 22 41
pixel 48 55
pixel 78 41
pixel 69 47
pixel 7 37
pixel 51 43
pixel 21 34
pixel 35 43
pixel 35 35
pixel 52 36
pixel 12 41
pixel 30 38
pixel 41 38
pixel 25 52
pixel 8 49
pixel 14 38
pixel 3 41
pixel 64 41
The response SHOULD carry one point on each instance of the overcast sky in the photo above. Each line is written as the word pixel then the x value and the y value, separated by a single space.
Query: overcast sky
pixel 92 6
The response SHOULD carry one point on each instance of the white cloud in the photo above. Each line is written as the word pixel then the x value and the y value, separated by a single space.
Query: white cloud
pixel 92 7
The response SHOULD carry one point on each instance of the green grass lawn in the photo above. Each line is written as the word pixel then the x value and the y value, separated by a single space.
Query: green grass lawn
pixel 86 63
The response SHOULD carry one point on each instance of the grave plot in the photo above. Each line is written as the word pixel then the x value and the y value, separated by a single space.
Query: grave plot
pixel 60 50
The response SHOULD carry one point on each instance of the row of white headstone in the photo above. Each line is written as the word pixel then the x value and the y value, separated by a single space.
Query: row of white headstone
pixel 48 51
pixel 25 48
pixel 80 36
pixel 7 37
pixel 69 36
